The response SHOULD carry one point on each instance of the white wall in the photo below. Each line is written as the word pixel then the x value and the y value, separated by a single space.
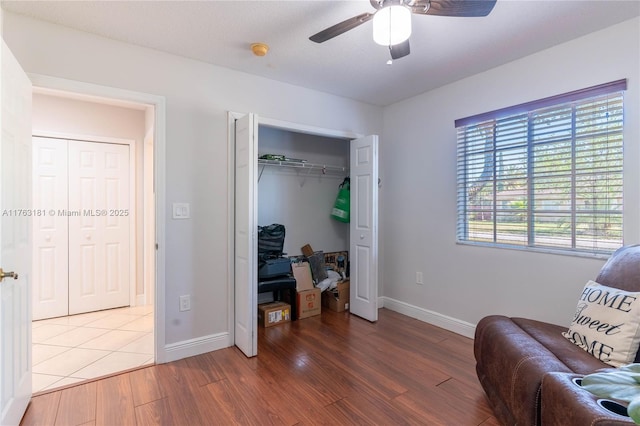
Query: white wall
pixel 90 119
pixel 198 97
pixel 418 220
pixel 299 199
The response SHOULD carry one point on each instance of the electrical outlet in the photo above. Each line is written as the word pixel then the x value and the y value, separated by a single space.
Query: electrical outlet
pixel 419 279
pixel 185 303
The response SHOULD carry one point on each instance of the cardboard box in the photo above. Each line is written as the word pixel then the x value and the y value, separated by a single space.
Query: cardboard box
pixel 306 250
pixel 308 300
pixel 337 260
pixel 302 274
pixel 270 314
pixel 337 300
pixel 309 303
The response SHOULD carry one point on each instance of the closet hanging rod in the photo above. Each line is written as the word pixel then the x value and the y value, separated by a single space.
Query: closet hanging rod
pixel 303 165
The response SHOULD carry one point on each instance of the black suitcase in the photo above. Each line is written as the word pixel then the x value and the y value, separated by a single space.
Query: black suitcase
pixel 270 268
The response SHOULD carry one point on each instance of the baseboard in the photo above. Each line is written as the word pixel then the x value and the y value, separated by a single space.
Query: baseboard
pixel 434 318
pixel 140 300
pixel 192 347
pixel 214 342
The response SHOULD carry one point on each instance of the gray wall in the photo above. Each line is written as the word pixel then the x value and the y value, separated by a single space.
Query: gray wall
pixel 418 219
pixel 300 199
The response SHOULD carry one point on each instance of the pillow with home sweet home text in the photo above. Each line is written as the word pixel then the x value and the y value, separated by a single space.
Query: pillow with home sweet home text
pixel 607 324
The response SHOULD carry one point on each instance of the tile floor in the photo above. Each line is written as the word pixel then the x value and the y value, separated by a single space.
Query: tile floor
pixel 71 349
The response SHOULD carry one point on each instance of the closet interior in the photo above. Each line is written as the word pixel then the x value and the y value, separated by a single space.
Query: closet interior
pixel 299 177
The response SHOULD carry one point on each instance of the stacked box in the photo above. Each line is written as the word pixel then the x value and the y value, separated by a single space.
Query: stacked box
pixel 337 300
pixel 308 298
pixel 270 314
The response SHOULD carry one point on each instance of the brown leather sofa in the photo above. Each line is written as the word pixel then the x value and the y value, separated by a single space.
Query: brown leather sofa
pixel 526 367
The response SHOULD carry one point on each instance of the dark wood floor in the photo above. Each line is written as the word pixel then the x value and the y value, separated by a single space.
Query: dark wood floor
pixel 333 369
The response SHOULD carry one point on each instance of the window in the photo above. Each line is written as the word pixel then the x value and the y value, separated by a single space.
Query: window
pixel 546 174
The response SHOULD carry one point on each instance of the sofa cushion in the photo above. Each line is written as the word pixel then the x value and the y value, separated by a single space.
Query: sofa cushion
pixel 510 366
pixel 622 269
pixel 550 336
pixel 606 324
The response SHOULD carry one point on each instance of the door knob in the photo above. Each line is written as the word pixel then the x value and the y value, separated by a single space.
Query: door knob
pixel 4 275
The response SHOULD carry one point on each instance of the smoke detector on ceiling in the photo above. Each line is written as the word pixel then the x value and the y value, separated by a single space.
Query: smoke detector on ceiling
pixel 259 49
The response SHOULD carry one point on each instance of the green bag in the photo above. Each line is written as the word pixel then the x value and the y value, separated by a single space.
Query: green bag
pixel 342 205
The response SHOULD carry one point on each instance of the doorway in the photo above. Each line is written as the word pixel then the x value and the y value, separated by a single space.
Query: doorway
pixel 363 229
pixel 102 145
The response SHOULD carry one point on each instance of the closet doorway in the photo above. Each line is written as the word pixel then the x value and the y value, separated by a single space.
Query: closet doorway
pixel 363 228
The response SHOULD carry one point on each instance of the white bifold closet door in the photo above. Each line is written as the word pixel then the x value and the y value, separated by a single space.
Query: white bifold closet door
pixel 99 235
pixel 50 288
pixel 87 267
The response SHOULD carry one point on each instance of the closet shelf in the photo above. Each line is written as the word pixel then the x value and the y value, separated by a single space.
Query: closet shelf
pixel 322 168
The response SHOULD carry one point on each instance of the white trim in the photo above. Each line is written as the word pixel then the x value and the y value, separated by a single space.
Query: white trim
pixel 309 130
pixel 448 323
pixel 159 104
pixel 545 250
pixel 140 299
pixel 133 225
pixel 148 210
pixel 83 138
pixel 103 94
pixel 197 346
pixel 159 170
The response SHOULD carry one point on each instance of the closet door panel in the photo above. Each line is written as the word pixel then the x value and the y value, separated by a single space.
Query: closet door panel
pixel 98 226
pixel 363 250
pixel 246 247
pixel 116 225
pixel 50 229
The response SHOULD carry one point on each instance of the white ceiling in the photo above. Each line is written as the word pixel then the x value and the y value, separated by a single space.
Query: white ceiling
pixel 443 49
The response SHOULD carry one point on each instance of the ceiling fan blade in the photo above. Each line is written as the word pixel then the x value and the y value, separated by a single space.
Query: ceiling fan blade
pixel 340 28
pixel 400 50
pixel 459 8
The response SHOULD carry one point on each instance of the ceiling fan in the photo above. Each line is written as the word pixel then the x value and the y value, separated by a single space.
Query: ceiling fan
pixel 392 20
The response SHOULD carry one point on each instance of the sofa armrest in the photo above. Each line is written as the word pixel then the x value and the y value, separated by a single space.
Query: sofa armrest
pixel 565 403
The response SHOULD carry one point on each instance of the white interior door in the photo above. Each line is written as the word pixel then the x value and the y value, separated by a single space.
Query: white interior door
pixel 245 229
pixel 363 250
pixel 50 287
pixel 15 239
pixel 98 226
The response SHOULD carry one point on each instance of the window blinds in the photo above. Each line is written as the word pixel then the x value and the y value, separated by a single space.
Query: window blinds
pixel 546 174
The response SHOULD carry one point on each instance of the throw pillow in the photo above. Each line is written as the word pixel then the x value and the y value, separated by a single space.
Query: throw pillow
pixel 607 324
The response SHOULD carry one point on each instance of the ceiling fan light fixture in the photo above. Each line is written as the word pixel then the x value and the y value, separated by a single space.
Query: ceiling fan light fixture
pixel 392 25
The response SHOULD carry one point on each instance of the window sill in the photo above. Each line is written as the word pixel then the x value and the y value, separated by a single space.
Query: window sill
pixel 598 256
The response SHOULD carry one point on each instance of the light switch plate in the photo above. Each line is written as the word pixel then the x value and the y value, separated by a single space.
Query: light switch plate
pixel 185 303
pixel 181 211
